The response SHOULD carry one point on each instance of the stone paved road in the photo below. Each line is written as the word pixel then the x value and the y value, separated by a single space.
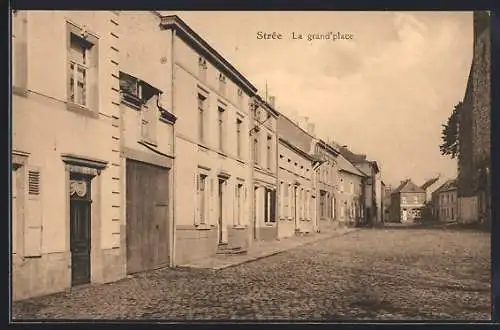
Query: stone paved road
pixel 405 274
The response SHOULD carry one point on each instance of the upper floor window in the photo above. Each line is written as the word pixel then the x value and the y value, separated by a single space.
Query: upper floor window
pixel 256 150
pixel 142 96
pixel 79 70
pixel 403 200
pixel 415 199
pixel 201 117
pixel 269 151
pixel 19 51
pixel 238 137
pixel 256 112
pixel 221 113
pixel 82 68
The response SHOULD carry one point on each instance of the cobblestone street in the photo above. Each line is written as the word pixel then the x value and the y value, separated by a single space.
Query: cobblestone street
pixel 405 274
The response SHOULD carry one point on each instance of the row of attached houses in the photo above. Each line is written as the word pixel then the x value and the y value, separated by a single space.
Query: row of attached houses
pixel 156 152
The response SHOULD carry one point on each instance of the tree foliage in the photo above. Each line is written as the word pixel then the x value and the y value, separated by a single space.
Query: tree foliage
pixel 449 135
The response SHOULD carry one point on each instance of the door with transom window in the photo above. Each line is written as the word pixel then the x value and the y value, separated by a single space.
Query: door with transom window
pixel 80 228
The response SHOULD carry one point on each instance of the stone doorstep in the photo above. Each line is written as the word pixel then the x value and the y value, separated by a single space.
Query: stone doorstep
pixel 264 249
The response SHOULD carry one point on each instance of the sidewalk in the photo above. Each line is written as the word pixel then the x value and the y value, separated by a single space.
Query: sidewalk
pixel 260 250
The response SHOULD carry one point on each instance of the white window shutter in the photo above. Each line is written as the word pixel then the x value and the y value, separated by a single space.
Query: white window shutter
pixel 33 218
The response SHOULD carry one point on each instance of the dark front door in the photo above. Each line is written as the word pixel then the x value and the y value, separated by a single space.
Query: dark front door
pixel 220 223
pixel 80 234
pixel 146 216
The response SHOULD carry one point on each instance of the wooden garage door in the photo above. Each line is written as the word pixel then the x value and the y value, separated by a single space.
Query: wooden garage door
pixel 147 217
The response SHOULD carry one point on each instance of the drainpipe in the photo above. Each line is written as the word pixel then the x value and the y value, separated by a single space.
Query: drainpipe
pixel 251 188
pixel 172 67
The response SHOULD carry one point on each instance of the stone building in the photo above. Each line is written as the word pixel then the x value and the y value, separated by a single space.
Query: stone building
pixel 147 142
pixel 350 192
pixel 212 179
pixel 264 151
pixel 474 178
pixel 297 194
pixel 326 175
pixel 445 201
pixel 66 166
pixel 407 202
pixel 372 185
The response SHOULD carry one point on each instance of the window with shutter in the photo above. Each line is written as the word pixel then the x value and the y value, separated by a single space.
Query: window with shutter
pixel 33 218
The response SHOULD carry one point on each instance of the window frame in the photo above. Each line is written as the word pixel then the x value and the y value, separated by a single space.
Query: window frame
pixel 269 152
pixel 202 190
pixel 19 52
pixel 221 116
pixel 201 113
pixel 91 44
pixel 239 124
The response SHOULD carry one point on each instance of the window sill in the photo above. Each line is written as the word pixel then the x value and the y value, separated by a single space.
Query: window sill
pixel 240 161
pixel 204 226
pixel 270 224
pixel 81 110
pixel 21 91
pixel 149 142
pixel 166 121
pixel 222 154
pixel 202 147
pixel 240 227
pixel 132 105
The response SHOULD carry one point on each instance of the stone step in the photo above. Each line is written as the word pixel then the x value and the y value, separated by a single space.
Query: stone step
pixel 224 249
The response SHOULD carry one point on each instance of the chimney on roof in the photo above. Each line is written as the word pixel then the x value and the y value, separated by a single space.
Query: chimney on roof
pixel 272 101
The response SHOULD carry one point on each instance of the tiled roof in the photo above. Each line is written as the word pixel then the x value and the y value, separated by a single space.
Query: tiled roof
pixel 345 165
pixel 408 186
pixel 447 186
pixel 429 183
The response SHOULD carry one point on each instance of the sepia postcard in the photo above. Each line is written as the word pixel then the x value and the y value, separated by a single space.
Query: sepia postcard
pixel 250 166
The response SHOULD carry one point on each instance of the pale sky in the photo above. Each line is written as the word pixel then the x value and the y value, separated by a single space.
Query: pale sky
pixel 385 93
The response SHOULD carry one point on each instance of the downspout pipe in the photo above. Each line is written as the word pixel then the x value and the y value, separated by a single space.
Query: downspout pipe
pixel 172 105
